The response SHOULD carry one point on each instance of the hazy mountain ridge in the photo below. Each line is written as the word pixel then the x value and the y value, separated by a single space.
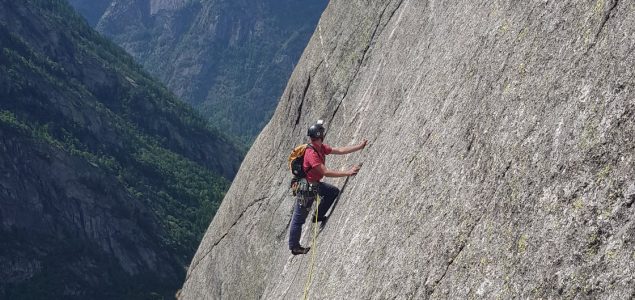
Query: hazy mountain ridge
pixel 230 59
pixel 109 180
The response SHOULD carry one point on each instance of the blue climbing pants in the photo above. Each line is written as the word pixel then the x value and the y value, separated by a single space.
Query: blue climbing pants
pixel 327 193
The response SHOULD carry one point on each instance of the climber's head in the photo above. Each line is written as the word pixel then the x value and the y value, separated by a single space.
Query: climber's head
pixel 317 131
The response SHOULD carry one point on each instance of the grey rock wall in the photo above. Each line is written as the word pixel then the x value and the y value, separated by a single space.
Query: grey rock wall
pixel 500 162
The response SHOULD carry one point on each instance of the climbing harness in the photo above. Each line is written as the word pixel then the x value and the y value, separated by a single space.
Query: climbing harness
pixel 307 285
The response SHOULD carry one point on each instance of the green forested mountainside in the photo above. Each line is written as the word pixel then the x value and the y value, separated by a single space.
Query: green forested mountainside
pixel 229 58
pixel 108 181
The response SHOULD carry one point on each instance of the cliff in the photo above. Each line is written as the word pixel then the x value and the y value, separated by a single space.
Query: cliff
pixel 500 161
pixel 107 181
pixel 230 59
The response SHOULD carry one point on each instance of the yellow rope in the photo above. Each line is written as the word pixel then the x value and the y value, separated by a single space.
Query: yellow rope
pixel 313 251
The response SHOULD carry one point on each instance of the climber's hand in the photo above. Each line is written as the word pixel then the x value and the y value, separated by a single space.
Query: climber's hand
pixel 353 171
pixel 362 145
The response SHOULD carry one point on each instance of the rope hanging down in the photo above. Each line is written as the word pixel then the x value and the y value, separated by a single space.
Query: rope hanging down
pixel 307 285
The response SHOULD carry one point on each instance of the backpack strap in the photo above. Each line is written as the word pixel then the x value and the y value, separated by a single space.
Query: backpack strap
pixel 309 146
pixel 318 153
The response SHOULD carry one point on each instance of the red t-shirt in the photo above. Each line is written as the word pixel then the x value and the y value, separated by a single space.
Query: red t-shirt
pixel 312 159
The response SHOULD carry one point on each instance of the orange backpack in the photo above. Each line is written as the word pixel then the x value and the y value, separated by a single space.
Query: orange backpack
pixel 296 160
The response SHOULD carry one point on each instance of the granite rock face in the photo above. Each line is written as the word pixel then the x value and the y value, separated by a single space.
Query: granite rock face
pixel 500 161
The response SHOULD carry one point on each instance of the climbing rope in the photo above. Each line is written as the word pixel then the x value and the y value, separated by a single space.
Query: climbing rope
pixel 307 285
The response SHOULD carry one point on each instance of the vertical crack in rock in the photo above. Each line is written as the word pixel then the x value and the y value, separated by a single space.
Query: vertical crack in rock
pixel 432 289
pixel 629 202
pixel 283 232
pixel 274 215
pixel 502 71
pixel 317 67
pixel 293 279
pixel 372 38
pixel 605 18
pixel 208 251
pixel 370 42
pixel 289 105
pixel 337 38
pixel 509 165
pixel 399 101
pixel 453 258
pixel 306 89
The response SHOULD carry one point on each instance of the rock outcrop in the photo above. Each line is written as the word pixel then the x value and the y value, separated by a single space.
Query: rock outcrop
pixel 500 163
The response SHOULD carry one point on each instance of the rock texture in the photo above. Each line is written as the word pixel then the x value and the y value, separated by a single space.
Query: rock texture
pixel 229 58
pixel 500 163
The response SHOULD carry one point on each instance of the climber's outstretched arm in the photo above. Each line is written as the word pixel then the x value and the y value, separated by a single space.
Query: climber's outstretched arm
pixel 334 173
pixel 349 149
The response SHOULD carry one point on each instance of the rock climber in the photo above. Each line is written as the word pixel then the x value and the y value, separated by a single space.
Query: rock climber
pixel 315 167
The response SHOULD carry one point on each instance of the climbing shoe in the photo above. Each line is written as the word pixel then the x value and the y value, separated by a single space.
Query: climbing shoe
pixel 319 219
pixel 300 250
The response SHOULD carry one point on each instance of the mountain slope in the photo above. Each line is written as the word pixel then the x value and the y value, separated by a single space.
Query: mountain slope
pixel 91 10
pixel 109 180
pixel 500 161
pixel 229 59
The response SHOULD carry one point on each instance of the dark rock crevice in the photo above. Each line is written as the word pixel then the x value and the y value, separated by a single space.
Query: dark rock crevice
pixel 306 89
pixel 365 52
pixel 211 248
pixel 605 17
pixel 304 94
pixel 432 289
